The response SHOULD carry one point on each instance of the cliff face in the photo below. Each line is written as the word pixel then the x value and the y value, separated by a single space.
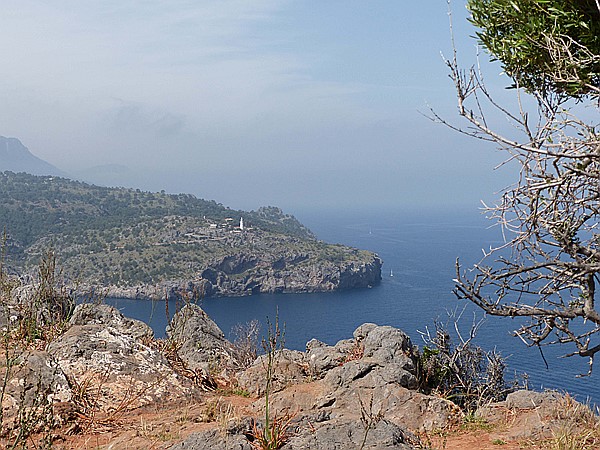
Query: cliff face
pixel 244 275
pixel 247 274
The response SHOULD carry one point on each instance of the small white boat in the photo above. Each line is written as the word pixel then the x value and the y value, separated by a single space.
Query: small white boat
pixel 391 273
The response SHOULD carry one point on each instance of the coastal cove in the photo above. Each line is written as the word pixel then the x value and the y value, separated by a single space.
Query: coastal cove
pixel 419 249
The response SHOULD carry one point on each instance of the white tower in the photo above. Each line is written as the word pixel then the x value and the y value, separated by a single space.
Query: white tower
pixel 242 223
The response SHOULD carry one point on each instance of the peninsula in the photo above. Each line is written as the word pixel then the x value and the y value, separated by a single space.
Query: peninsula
pixel 147 245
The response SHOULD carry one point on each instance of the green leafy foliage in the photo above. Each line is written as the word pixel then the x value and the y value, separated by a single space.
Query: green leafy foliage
pixel 544 45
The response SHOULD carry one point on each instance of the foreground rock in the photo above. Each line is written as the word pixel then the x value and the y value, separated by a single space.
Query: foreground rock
pixel 540 414
pixel 338 434
pixel 375 372
pixel 101 368
pixel 200 343
pixel 350 434
pixel 359 390
pixel 109 355
pixel 358 393
pixel 36 381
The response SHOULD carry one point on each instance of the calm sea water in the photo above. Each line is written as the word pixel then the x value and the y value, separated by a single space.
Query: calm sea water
pixel 420 249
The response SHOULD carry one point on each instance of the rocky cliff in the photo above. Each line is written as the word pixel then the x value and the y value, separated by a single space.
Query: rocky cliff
pixel 249 274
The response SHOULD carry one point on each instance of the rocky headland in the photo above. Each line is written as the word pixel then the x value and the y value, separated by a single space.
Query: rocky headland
pixel 135 244
pixel 104 382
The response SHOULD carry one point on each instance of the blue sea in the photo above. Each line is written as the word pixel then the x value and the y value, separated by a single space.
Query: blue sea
pixel 419 250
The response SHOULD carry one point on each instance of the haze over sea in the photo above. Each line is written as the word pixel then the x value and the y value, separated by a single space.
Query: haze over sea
pixel 420 247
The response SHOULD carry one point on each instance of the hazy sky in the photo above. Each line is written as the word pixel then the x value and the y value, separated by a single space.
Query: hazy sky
pixel 250 103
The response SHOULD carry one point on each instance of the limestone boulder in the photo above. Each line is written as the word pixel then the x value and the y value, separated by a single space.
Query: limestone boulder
pixel 376 370
pixel 524 399
pixel 308 433
pixel 290 367
pixel 540 414
pixel 92 314
pixel 109 356
pixel 347 434
pixel 35 380
pixel 322 358
pixel 200 342
pixel 234 437
pixel 382 354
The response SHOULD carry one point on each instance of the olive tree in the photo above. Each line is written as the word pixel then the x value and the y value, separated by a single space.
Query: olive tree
pixel 547 270
pixel 544 45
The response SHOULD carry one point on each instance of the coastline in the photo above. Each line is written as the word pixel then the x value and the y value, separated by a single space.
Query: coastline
pixel 260 279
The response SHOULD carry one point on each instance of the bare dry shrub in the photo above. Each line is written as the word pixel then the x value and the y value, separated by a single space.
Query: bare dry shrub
pixel 245 344
pixel 547 269
pixel 464 373
pixel 93 413
pixel 356 352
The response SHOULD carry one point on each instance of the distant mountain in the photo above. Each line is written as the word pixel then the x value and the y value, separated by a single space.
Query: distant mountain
pixel 14 156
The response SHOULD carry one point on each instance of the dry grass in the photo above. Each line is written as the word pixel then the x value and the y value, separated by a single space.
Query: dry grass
pixel 356 352
pixel 218 411
pixel 578 428
pixel 93 415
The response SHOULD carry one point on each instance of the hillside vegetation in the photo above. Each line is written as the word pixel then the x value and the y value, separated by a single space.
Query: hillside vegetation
pixel 127 237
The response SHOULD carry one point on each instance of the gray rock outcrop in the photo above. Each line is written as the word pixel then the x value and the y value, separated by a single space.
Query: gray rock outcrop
pixel 358 393
pixel 376 370
pixel 200 342
pixel 380 355
pixel 328 434
pixel 540 413
pixel 35 380
pixel 103 348
pixel 92 314
pixel 350 434
pixel 290 367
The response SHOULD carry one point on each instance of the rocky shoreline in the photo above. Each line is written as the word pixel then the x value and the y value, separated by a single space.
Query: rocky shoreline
pixel 243 275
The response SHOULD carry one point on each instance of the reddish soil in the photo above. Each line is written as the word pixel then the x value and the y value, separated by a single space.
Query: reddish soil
pixel 162 426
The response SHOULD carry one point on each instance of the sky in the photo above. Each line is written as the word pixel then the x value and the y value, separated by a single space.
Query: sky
pixel 299 104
